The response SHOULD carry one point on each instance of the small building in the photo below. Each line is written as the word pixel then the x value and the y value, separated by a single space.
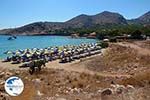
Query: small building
pixel 85 35
pixel 92 35
pixel 76 35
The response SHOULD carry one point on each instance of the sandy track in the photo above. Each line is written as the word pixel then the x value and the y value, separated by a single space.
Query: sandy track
pixel 80 67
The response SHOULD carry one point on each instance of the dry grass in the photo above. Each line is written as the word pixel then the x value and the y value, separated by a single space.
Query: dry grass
pixel 139 79
pixel 120 59
pixel 144 44
pixel 29 92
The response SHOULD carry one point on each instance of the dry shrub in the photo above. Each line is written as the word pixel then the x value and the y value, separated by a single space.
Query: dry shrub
pixel 78 84
pixel 120 59
pixel 140 79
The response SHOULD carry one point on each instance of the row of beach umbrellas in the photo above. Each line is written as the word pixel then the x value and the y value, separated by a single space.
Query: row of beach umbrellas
pixel 50 50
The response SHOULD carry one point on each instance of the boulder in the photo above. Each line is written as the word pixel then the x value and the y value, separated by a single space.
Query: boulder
pixel 37 80
pixel 130 88
pixel 118 88
pixel 2 74
pixel 107 91
pixel 4 96
pixel 8 74
pixel 39 93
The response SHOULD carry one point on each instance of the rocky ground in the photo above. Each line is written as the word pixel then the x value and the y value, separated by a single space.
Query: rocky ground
pixel 121 72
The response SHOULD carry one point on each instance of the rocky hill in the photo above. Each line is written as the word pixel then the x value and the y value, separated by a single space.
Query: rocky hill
pixel 81 21
pixel 108 18
pixel 144 19
pixel 98 19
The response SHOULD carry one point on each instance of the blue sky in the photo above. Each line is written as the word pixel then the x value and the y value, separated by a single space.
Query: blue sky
pixel 14 13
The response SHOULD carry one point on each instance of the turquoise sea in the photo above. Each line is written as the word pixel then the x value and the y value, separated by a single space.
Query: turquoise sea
pixel 23 42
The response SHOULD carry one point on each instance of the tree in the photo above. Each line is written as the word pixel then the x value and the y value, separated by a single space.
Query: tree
pixel 136 34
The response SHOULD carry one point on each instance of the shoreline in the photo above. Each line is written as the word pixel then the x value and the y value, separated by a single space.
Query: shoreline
pixel 37 34
pixel 8 65
pixel 73 42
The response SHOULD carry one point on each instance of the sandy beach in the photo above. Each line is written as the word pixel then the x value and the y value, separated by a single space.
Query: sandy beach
pixel 75 66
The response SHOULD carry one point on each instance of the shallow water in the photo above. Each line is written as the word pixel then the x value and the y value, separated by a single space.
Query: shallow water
pixel 23 42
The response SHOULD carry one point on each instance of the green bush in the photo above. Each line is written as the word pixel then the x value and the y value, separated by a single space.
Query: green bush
pixel 113 40
pixel 104 44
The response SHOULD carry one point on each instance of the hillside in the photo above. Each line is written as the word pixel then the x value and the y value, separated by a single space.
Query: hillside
pixel 82 21
pixel 144 19
pixel 98 19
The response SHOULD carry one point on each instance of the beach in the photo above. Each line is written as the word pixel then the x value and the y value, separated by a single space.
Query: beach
pixel 119 65
pixel 75 50
pixel 54 64
pixel 41 42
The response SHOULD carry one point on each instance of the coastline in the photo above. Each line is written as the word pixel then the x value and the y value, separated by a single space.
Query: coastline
pixel 50 34
pixel 38 42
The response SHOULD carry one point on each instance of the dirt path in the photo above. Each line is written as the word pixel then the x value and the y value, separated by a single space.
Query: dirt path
pixel 143 51
pixel 79 66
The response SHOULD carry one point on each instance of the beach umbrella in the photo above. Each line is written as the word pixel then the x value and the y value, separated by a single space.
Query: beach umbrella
pixel 28 55
pixel 41 49
pixel 38 52
pixel 26 50
pixel 34 49
pixel 46 52
pixel 65 53
pixel 21 51
pixel 17 53
pixel 59 50
pixel 8 52
pixel 69 51
pixel 51 51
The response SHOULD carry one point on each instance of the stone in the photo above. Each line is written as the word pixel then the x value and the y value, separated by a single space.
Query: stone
pixel 61 99
pixel 2 74
pixel 77 90
pixel 17 72
pixel 4 96
pixel 99 91
pixel 119 90
pixel 39 93
pixel 130 88
pixel 2 82
pixel 37 80
pixel 67 91
pixel 8 73
pixel 107 91
pixel 26 78
pixel 56 95
pixel 72 90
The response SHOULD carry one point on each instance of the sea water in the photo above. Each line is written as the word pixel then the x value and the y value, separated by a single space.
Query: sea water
pixel 23 42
